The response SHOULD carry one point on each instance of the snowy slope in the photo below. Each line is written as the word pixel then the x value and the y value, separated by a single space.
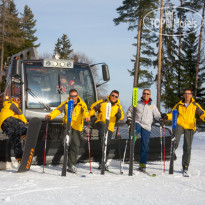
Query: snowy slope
pixel 35 187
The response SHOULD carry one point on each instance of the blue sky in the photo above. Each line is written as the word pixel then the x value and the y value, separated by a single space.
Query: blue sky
pixel 91 30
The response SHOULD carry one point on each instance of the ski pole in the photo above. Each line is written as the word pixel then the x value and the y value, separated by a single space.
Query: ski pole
pixel 44 158
pixel 161 145
pixel 125 151
pixel 117 136
pixel 164 144
pixel 89 146
pixel 123 160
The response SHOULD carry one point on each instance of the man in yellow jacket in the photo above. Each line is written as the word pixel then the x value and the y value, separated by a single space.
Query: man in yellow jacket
pixel 186 124
pixel 13 123
pixel 80 111
pixel 117 113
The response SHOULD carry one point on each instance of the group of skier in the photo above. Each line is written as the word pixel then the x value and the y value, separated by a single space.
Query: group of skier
pixel 13 123
pixel 80 111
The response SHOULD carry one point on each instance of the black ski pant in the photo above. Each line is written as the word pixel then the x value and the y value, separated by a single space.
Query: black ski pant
pixel 188 138
pixel 14 129
pixel 100 126
pixel 74 144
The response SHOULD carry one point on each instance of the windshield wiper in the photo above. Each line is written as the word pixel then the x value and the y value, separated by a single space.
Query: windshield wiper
pixel 39 99
pixel 59 86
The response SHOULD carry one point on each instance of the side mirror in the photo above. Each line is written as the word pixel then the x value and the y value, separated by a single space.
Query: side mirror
pixel 105 72
pixel 16 70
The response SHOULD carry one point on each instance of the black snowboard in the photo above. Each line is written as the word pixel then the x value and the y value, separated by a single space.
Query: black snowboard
pixel 31 140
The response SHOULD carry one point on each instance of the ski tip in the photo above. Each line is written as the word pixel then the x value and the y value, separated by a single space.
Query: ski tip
pixel 83 175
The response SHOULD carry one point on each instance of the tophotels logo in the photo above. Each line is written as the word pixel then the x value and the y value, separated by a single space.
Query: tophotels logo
pixel 171 23
pixel 30 158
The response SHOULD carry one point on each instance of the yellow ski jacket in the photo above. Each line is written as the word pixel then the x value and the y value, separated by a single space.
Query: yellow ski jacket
pixel 80 111
pixel 11 109
pixel 187 115
pixel 100 108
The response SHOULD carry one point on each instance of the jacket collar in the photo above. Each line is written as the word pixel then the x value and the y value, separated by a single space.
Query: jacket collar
pixel 79 100
pixel 182 101
pixel 149 103
pixel 116 103
pixel 15 104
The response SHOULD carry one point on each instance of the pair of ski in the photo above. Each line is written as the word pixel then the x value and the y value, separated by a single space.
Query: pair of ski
pixel 105 138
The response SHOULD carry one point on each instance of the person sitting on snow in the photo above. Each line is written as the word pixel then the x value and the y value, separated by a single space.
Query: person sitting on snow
pixel 13 123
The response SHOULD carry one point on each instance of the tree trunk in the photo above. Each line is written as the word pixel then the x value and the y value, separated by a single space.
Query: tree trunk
pixel 179 54
pixel 198 55
pixel 2 40
pixel 159 78
pixel 137 62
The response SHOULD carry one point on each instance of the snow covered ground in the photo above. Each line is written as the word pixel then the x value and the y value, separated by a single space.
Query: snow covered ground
pixel 35 187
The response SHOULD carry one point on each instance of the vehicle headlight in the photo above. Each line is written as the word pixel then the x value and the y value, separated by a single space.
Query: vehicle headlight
pixel 62 64
pixel 48 63
pixel 55 63
pixel 69 64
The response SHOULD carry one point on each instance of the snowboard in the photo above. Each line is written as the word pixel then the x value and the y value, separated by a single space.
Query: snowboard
pixel 31 140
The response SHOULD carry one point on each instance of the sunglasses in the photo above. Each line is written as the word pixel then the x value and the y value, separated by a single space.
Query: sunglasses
pixel 187 93
pixel 146 93
pixel 73 96
pixel 114 96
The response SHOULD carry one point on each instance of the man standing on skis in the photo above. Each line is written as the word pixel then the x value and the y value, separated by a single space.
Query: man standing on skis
pixel 80 111
pixel 186 124
pixel 117 113
pixel 13 123
pixel 145 113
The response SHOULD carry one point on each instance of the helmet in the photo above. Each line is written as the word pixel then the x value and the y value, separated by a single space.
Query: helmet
pixel 15 98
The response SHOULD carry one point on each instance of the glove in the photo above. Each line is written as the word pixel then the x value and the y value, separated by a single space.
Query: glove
pixel 161 122
pixel 174 142
pixel 92 120
pixel 164 116
pixel 129 121
pixel 47 117
pixel 118 116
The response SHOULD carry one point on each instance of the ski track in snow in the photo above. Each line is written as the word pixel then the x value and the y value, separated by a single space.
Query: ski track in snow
pixel 35 187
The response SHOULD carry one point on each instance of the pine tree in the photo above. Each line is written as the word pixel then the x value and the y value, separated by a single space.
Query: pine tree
pixel 132 12
pixel 189 62
pixel 28 24
pixel 14 32
pixel 63 47
pixel 169 69
pixel 10 30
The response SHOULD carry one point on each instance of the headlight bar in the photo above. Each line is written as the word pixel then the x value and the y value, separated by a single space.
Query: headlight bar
pixel 58 63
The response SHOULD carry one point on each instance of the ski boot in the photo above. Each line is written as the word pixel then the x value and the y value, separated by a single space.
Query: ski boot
pixel 106 167
pixel 19 160
pixel 142 167
pixel 185 171
pixel 23 137
pixel 72 169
